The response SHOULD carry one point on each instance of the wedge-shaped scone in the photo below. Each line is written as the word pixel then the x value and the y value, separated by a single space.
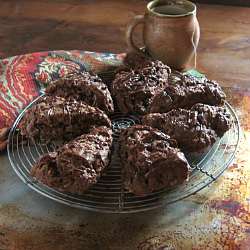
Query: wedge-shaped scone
pixel 54 119
pixel 185 92
pixel 76 166
pixel 134 88
pixel 151 160
pixel 194 129
pixel 83 86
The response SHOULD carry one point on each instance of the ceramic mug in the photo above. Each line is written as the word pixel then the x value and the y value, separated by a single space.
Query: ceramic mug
pixel 171 32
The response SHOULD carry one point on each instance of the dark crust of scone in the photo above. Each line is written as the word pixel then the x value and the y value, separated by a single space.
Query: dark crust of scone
pixel 185 91
pixel 194 129
pixel 54 119
pixel 151 160
pixel 134 88
pixel 83 86
pixel 76 166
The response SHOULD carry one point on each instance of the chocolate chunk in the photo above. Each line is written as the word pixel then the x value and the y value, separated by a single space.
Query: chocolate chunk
pixel 194 129
pixel 151 160
pixel 76 166
pixel 134 88
pixel 185 92
pixel 83 86
pixel 54 119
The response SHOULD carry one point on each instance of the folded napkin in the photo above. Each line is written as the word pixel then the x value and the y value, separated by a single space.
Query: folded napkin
pixel 23 77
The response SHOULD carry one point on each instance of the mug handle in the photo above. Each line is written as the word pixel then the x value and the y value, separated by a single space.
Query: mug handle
pixel 129 35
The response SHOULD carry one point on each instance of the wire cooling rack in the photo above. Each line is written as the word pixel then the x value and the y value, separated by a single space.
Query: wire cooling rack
pixel 109 194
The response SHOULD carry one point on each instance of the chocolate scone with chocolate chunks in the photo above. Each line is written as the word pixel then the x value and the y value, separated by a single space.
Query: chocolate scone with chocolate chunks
pixel 134 88
pixel 151 160
pixel 194 129
pixel 54 119
pixel 76 166
pixel 185 92
pixel 83 86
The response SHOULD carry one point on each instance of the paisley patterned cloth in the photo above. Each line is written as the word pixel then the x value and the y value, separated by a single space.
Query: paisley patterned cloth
pixel 23 77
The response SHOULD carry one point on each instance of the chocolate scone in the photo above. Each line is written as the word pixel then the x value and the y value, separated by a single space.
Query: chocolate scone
pixel 76 166
pixel 83 86
pixel 151 160
pixel 187 91
pixel 134 88
pixel 54 119
pixel 194 129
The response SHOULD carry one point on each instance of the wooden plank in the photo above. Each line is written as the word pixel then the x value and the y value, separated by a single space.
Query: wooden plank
pixel 245 3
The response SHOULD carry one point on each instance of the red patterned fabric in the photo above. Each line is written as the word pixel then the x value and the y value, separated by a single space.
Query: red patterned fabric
pixel 23 77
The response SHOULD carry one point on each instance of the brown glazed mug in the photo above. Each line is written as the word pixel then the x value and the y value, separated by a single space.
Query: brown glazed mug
pixel 171 32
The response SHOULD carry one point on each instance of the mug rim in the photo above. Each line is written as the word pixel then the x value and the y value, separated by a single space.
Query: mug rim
pixel 152 4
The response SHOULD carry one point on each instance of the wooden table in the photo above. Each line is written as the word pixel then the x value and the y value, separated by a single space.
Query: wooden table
pixel 218 217
pixel 31 26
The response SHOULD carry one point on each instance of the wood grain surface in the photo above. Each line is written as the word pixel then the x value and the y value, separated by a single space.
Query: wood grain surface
pixel 31 26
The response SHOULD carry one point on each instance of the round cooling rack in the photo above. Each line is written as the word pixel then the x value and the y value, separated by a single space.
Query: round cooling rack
pixel 109 194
